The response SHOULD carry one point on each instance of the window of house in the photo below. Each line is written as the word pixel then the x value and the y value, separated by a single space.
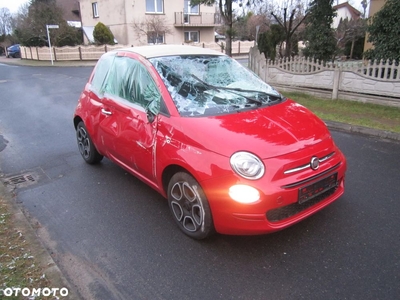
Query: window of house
pixel 192 36
pixel 154 6
pixel 189 9
pixel 95 10
pixel 155 38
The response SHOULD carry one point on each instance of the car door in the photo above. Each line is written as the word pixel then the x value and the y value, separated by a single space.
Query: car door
pixel 97 108
pixel 131 96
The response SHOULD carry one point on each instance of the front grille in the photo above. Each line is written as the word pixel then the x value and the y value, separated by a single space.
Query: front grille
pixel 299 183
pixel 279 214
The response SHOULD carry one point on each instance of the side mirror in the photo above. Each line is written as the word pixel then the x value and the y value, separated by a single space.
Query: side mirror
pixel 153 109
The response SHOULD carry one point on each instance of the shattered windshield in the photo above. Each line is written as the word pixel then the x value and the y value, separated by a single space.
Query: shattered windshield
pixel 210 85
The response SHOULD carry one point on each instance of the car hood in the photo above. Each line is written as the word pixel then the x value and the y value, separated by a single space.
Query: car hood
pixel 267 132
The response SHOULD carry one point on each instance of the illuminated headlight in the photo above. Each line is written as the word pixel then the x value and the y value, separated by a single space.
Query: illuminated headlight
pixel 244 194
pixel 247 165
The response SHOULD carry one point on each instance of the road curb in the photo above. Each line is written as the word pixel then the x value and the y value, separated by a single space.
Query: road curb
pixel 38 250
pixel 363 130
pixel 46 63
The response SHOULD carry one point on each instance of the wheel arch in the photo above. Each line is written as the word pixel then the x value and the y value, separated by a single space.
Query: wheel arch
pixel 167 174
pixel 172 169
pixel 77 119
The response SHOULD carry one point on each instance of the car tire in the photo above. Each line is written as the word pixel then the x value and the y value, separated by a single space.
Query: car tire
pixel 86 146
pixel 189 206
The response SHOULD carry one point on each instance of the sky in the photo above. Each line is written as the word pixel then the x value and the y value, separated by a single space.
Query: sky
pixel 12 5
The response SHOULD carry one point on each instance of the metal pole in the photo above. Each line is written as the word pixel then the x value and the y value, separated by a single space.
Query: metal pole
pixel 48 37
pixel 256 40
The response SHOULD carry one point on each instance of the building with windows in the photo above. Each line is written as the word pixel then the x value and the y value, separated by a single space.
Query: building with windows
pixel 345 11
pixel 70 10
pixel 142 22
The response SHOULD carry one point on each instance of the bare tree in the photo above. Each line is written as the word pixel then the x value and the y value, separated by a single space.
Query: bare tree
pixel 5 21
pixel 245 27
pixel 350 31
pixel 153 28
pixel 21 15
pixel 257 20
pixel 290 15
pixel 31 29
pixel 227 12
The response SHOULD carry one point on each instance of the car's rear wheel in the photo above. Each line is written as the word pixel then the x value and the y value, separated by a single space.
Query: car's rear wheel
pixel 189 206
pixel 86 146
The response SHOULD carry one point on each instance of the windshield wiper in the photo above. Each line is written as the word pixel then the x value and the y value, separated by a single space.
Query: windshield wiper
pixel 231 90
pixel 280 97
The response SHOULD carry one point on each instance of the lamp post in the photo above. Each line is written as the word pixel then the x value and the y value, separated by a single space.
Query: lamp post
pixel 48 37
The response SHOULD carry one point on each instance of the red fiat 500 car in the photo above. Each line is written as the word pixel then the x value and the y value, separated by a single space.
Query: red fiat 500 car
pixel 228 151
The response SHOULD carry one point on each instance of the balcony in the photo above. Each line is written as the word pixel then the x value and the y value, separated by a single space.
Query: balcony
pixel 196 20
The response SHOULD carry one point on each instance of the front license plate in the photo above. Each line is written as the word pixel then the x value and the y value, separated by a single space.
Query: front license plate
pixel 315 189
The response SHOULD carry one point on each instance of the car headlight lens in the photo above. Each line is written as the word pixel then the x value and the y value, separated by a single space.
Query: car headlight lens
pixel 247 165
pixel 244 194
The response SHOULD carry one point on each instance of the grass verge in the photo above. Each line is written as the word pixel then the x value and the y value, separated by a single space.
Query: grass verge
pixel 351 112
pixel 19 268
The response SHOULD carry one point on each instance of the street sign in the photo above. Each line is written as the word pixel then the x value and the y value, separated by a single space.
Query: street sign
pixel 48 38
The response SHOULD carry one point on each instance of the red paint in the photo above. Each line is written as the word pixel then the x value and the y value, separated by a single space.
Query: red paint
pixel 284 136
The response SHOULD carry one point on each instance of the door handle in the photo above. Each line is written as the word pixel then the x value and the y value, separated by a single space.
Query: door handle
pixel 106 112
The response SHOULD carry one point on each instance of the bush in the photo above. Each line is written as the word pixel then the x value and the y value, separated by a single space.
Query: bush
pixel 103 35
pixel 269 40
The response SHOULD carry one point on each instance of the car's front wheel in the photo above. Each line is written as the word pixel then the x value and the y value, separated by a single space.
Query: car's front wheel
pixel 86 146
pixel 189 206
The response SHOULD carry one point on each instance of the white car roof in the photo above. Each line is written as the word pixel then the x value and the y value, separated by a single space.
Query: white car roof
pixel 170 50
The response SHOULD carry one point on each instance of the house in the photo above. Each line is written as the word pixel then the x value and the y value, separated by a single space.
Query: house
pixel 71 14
pixel 142 22
pixel 374 7
pixel 345 10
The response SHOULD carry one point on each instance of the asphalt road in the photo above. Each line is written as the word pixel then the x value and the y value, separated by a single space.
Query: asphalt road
pixel 113 237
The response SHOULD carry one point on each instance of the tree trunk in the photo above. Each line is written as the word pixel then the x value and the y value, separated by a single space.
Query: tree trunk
pixel 228 48
pixel 228 18
pixel 288 47
pixel 352 48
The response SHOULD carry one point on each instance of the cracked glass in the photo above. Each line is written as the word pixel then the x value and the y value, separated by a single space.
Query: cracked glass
pixel 202 85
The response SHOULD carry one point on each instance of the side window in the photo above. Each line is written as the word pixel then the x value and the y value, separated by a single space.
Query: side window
pixel 114 82
pixel 150 97
pixel 129 79
pixel 101 71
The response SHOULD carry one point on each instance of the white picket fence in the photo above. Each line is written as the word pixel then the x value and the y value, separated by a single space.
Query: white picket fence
pixel 367 81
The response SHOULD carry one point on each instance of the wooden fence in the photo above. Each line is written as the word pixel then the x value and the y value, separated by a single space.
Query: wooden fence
pixel 92 52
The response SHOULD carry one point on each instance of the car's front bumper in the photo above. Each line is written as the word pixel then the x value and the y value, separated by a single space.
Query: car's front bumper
pixel 279 206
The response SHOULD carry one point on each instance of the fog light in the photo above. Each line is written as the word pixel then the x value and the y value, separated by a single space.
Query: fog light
pixel 244 194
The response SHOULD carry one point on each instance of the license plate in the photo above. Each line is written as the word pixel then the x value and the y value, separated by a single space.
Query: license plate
pixel 308 192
